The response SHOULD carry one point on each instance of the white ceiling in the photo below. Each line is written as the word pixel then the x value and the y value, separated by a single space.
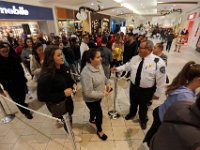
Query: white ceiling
pixel 140 7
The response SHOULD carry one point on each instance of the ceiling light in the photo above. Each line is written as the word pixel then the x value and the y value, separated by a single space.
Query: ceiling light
pixel 118 1
pixel 92 4
pixel 174 5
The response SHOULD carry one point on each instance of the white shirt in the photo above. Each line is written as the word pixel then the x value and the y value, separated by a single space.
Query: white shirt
pixel 149 74
pixel 84 47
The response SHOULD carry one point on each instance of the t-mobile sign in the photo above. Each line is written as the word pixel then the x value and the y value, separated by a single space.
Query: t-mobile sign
pixel 14 11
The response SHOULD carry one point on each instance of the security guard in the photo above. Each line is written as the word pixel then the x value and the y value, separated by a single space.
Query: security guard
pixel 148 78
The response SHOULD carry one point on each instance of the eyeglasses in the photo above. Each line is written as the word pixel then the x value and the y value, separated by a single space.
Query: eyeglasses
pixel 142 48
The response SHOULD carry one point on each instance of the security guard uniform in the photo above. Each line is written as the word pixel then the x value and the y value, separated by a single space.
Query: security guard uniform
pixel 148 78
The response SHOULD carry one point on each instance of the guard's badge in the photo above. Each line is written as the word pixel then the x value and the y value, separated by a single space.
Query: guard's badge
pixel 162 69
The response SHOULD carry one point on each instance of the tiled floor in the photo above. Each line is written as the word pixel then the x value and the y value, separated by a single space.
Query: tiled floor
pixel 42 134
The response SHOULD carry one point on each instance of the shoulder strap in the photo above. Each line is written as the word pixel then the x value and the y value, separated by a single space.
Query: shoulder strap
pixel 156 60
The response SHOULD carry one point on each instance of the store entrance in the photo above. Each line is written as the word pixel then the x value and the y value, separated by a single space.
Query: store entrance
pixel 17 29
pixel 190 26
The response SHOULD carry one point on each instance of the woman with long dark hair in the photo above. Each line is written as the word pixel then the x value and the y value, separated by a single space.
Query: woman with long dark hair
pixel 37 60
pixel 182 88
pixel 93 82
pixel 27 52
pixel 55 84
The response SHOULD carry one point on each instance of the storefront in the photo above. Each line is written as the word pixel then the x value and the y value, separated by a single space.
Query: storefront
pixel 117 23
pixel 191 22
pixel 100 23
pixel 17 19
pixel 68 23
pixel 193 28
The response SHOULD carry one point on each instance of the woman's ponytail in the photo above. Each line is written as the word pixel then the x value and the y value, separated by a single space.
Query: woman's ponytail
pixel 182 78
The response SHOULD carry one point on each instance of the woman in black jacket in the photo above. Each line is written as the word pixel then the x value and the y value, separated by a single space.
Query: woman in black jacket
pixel 55 84
pixel 12 77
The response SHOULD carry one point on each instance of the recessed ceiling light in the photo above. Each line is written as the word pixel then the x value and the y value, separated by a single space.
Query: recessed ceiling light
pixel 118 1
pixel 92 4
pixel 174 5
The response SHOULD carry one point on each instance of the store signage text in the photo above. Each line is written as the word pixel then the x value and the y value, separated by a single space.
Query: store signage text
pixel 14 11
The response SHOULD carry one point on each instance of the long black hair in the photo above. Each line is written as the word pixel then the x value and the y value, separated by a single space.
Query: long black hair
pixel 34 52
pixel 25 42
pixel 49 65
pixel 12 52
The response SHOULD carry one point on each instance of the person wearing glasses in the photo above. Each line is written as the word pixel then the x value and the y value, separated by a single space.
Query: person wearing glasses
pixel 148 78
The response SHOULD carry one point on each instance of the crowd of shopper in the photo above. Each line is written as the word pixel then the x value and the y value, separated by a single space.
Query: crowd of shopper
pixel 57 64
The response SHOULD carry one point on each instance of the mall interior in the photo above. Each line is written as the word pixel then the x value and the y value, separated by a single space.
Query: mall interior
pixel 100 75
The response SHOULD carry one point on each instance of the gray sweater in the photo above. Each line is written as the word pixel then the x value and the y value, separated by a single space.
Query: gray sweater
pixel 93 83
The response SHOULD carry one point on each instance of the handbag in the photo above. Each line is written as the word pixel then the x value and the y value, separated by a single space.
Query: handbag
pixel 57 109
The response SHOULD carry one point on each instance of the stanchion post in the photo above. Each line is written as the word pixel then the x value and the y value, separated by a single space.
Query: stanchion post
pixel 115 91
pixel 7 117
pixel 113 114
pixel 69 128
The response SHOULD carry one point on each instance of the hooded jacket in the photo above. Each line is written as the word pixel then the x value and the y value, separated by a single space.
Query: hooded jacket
pixel 12 74
pixel 180 129
pixel 180 94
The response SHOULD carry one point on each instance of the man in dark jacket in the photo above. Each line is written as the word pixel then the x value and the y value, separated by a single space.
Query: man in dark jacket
pixel 180 129
pixel 130 50
pixel 170 38
pixel 106 56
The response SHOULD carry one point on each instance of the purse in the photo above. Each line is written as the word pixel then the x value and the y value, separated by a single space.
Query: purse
pixel 57 109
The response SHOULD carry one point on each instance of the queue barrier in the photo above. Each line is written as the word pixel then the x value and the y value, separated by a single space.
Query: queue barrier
pixel 9 117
